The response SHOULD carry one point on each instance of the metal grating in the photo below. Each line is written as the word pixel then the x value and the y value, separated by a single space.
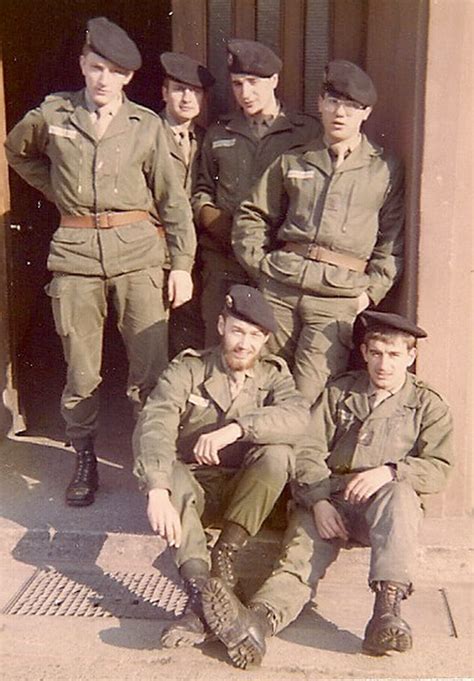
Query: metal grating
pixel 98 594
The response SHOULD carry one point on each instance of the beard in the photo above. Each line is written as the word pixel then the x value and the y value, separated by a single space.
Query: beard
pixel 236 363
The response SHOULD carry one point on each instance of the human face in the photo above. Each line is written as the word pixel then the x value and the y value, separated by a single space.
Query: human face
pixel 104 79
pixel 341 122
pixel 241 342
pixel 183 102
pixel 253 94
pixel 387 362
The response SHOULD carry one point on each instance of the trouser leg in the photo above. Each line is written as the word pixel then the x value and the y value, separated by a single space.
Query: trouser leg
pixel 188 498
pixel 185 323
pixel 255 489
pixel 79 306
pixel 284 301
pixel 324 342
pixel 393 518
pixel 216 285
pixel 143 323
pixel 304 560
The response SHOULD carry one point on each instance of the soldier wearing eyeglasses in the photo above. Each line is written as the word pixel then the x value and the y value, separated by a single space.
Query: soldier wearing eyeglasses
pixel 322 232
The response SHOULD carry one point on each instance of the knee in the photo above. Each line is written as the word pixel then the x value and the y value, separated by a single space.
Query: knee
pixel 184 488
pixel 273 461
pixel 397 495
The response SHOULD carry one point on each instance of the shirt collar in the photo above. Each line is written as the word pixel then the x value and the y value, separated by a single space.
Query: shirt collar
pixel 109 109
pixel 265 119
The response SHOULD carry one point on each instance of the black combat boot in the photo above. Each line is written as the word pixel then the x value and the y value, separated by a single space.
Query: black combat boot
pixel 386 630
pixel 81 490
pixel 190 629
pixel 232 538
pixel 242 630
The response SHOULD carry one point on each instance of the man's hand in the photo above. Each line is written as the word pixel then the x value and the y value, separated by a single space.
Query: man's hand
pixel 328 521
pixel 361 487
pixel 208 446
pixel 180 287
pixel 163 516
pixel 363 302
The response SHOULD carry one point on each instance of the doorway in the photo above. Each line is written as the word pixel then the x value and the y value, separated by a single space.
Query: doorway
pixel 41 46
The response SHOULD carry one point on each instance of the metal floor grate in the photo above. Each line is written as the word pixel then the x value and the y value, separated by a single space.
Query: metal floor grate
pixel 72 593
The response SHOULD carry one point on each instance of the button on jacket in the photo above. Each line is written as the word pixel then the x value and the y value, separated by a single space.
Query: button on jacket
pixel 412 429
pixel 192 397
pixel 356 209
pixel 55 149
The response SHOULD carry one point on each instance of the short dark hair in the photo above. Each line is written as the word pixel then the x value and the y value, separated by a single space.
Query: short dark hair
pixel 387 335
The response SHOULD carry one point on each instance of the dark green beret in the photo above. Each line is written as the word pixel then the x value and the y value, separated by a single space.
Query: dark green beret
pixel 252 58
pixel 248 304
pixel 345 79
pixel 111 42
pixel 184 69
pixel 393 321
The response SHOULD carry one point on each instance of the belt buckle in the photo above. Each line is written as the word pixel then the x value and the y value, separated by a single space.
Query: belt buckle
pixel 313 252
pixel 101 220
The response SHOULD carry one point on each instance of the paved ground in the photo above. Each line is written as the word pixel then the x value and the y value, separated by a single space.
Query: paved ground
pixel 112 535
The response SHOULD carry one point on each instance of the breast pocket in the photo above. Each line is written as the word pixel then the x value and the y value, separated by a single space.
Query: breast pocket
pixel 302 187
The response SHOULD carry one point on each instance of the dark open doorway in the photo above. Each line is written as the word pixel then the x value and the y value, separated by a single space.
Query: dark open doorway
pixel 41 45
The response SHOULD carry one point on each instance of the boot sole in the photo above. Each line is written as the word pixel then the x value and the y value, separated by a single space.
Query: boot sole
pixel 181 638
pixel 387 640
pixel 222 610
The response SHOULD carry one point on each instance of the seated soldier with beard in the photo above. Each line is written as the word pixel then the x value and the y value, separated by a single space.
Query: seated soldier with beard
pixel 215 438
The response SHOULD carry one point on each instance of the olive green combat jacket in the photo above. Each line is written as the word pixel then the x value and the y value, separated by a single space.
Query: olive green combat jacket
pixel 411 429
pixel 192 397
pixel 356 209
pixel 187 173
pixel 55 149
pixel 233 159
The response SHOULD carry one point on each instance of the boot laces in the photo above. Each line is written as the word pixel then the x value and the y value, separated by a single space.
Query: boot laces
pixel 224 558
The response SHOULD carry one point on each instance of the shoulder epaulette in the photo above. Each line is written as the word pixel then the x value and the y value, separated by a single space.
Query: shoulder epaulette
pixel 146 110
pixel 279 362
pixel 426 386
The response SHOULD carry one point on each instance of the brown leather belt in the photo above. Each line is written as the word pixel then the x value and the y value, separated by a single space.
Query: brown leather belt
pixel 104 220
pixel 315 252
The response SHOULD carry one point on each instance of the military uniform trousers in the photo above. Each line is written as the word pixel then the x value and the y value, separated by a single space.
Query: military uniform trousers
pixel 388 522
pixel 205 494
pixel 217 280
pixel 314 334
pixel 80 309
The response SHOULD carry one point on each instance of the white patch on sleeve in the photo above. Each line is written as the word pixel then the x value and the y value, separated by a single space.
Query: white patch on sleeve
pixel 62 132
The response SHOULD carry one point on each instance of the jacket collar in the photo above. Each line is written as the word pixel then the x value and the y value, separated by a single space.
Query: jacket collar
pixel 80 116
pixel 216 384
pixel 357 399
pixel 317 154
pixel 238 122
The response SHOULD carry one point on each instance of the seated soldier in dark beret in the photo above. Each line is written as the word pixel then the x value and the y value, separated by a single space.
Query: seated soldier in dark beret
pixel 215 439
pixel 378 438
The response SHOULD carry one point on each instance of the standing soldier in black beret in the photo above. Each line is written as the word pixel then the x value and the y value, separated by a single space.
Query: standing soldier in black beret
pixel 235 153
pixel 378 439
pixel 104 162
pixel 322 232
pixel 215 438
pixel 184 88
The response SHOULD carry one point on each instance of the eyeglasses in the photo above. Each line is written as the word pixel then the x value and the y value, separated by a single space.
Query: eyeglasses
pixel 332 104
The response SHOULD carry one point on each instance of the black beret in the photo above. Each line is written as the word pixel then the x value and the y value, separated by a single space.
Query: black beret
pixel 252 58
pixel 345 79
pixel 393 321
pixel 184 69
pixel 111 42
pixel 248 304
